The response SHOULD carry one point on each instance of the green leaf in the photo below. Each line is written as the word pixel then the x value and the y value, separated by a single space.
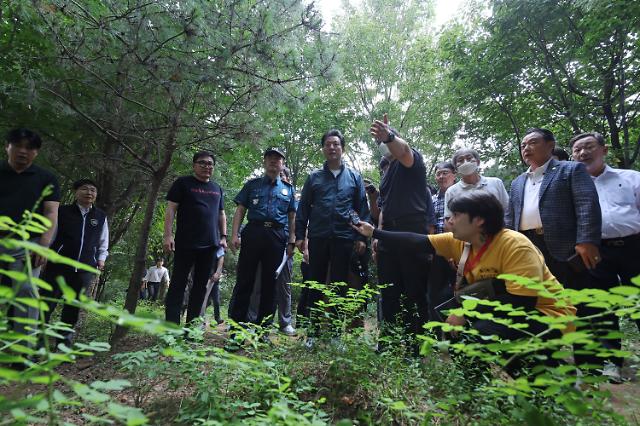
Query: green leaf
pixel 625 290
pixel 68 294
pixel 111 385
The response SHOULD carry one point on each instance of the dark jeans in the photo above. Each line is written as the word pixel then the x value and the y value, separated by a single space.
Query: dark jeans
pixel 407 273
pixel 259 245
pixel 153 289
pixel 202 261
pixel 328 257
pixel 79 281
pixel 577 281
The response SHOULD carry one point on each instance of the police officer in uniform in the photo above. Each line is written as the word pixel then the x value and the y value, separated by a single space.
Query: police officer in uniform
pixel 269 203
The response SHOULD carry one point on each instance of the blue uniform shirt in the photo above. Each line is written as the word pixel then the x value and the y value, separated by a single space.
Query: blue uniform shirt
pixel 267 201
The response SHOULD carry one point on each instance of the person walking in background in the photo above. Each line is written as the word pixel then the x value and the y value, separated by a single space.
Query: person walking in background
pixel 154 278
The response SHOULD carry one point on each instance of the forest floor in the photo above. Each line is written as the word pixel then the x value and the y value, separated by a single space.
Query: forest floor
pixel 161 399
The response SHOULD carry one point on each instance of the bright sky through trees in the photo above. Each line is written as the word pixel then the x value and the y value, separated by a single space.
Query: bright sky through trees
pixel 445 10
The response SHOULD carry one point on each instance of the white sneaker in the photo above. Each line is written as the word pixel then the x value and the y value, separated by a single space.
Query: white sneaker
pixel 612 372
pixel 288 330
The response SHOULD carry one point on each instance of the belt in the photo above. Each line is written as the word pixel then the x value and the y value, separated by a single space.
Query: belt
pixel 536 231
pixel 620 242
pixel 406 220
pixel 267 224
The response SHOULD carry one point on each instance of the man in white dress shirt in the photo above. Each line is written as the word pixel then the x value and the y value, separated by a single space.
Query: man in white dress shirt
pixel 619 195
pixel 155 275
pixel 467 163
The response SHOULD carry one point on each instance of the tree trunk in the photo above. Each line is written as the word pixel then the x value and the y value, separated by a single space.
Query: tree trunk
pixel 139 265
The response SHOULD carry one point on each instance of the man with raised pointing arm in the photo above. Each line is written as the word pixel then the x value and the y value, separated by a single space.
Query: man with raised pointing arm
pixel 405 206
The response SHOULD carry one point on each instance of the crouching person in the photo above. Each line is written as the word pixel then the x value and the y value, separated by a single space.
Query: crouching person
pixel 484 249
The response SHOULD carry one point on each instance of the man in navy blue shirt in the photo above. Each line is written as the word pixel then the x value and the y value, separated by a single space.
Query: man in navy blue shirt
pixel 329 197
pixel 270 206
pixel 198 203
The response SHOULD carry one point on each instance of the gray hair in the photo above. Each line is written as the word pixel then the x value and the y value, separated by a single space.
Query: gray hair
pixel 464 151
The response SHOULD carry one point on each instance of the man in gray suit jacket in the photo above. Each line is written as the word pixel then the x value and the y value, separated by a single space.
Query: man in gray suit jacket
pixel 555 204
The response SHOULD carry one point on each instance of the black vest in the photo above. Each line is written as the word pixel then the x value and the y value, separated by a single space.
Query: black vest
pixel 77 237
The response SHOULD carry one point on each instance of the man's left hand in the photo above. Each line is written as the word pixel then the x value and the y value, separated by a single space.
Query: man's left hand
pixel 360 247
pixel 101 265
pixel 290 248
pixel 589 253
pixel 223 242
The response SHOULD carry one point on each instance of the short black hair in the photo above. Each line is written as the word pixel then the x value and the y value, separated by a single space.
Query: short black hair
pixel 159 259
pixel 560 153
pixel 597 136
pixel 201 154
pixel 445 165
pixel 81 182
pixel 547 135
pixel 332 132
pixel 15 136
pixel 480 204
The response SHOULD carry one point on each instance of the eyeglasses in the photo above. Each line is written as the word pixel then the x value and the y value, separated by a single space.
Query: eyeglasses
pixel 90 189
pixel 205 164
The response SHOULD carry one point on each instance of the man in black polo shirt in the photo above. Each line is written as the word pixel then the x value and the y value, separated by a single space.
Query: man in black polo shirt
pixel 406 206
pixel 201 229
pixel 21 187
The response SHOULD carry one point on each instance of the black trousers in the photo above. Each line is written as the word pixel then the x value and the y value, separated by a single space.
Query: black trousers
pixel 578 281
pixel 201 260
pixel 489 328
pixel 442 278
pixel 405 298
pixel 328 257
pixel 618 265
pixel 77 280
pixel 259 245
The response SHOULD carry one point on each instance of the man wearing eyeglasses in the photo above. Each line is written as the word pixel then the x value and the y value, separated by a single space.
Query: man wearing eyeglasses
pixel 619 196
pixel 83 235
pixel 198 203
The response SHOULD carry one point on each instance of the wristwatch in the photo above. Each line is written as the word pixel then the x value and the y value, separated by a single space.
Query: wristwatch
pixel 391 137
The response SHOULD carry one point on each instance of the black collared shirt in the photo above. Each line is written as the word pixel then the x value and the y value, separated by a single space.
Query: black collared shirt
pixel 20 191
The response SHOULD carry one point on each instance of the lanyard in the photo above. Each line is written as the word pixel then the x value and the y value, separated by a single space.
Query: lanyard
pixel 474 262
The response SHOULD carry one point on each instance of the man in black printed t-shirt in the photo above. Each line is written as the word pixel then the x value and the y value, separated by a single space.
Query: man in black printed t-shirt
pixel 201 229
